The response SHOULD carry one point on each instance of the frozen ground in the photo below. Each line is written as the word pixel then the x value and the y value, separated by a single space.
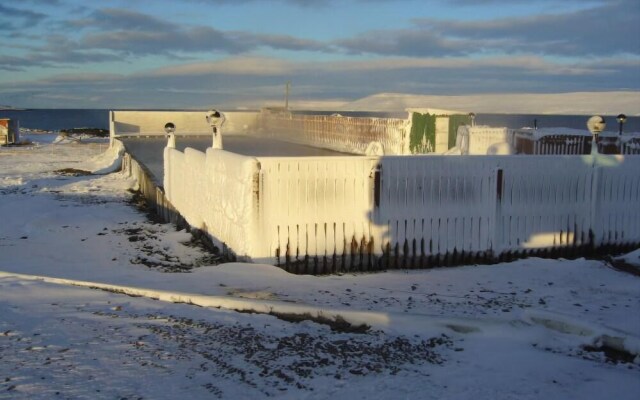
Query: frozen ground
pixel 524 330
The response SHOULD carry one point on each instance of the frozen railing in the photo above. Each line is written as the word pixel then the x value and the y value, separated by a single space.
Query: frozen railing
pixel 630 144
pixel 552 141
pixel 335 132
pixel 573 141
pixel 318 215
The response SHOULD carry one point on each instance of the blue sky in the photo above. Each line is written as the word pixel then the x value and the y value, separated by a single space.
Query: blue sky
pixel 200 53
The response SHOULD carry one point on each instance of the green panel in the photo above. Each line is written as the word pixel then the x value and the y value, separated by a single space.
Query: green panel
pixel 454 122
pixel 422 138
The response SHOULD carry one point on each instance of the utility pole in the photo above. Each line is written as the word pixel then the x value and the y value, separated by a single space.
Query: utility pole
pixel 286 95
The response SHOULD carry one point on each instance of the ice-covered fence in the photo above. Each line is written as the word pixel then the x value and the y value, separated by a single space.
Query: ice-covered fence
pixel 552 141
pixel 132 123
pixel 543 202
pixel 319 215
pixel 433 206
pixel 617 200
pixel 631 144
pixel 573 141
pixel 215 192
pixel 424 131
pixel 334 132
pixel 314 212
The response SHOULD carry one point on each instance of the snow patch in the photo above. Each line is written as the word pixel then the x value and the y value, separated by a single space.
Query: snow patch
pixel 107 162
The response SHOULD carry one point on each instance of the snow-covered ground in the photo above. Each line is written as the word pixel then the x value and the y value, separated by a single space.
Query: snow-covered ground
pixel 529 329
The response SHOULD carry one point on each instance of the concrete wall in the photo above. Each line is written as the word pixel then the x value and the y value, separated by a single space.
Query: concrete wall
pixel 131 123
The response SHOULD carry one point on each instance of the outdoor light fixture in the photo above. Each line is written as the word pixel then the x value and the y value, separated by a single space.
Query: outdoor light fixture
pixel 169 128
pixel 216 119
pixel 473 119
pixel 595 125
pixel 621 120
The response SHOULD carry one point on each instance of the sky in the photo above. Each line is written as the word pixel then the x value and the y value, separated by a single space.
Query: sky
pixel 240 53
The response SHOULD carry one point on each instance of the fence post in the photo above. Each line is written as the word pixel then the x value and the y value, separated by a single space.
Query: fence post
pixel 498 238
pixel 595 234
pixel 256 247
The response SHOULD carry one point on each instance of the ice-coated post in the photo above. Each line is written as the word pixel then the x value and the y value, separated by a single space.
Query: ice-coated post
pixel 621 118
pixel 169 129
pixel 595 125
pixel 215 119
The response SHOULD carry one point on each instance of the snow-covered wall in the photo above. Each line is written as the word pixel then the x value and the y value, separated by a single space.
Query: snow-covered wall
pixel 483 140
pixel 215 192
pixel 128 123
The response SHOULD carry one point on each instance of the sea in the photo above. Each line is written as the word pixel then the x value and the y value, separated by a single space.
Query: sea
pixel 58 119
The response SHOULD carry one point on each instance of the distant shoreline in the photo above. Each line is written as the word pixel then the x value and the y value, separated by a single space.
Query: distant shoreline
pixel 9 108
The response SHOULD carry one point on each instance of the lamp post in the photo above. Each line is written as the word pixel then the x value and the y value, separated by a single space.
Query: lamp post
pixel 169 129
pixel 473 119
pixel 621 118
pixel 595 125
pixel 286 95
pixel 215 119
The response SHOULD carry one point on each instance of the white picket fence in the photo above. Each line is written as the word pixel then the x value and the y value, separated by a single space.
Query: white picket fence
pixel 317 215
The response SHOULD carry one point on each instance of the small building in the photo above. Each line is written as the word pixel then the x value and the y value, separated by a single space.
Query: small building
pixel 433 130
pixel 9 131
